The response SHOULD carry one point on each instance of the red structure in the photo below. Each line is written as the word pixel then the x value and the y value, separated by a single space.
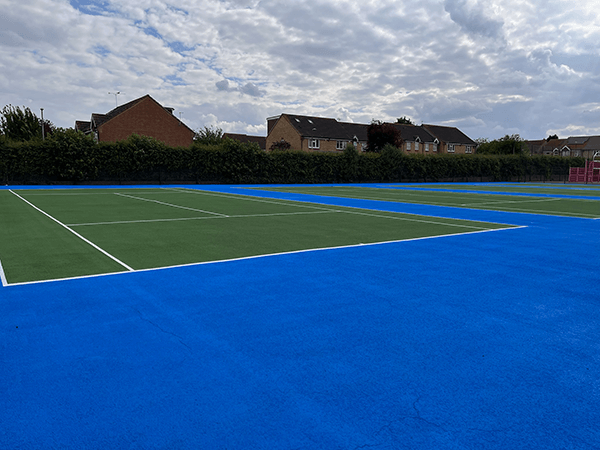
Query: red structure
pixel 588 174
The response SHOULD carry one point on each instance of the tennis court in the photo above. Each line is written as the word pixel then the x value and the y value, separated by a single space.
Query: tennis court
pixel 53 234
pixel 574 202
pixel 279 317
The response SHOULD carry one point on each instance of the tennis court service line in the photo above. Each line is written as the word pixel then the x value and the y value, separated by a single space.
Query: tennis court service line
pixel 3 276
pixel 251 199
pixel 75 233
pixel 170 204
pixel 197 218
pixel 350 210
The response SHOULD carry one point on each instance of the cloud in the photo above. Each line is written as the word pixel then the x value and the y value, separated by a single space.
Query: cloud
pixel 489 66
pixel 251 89
pixel 472 17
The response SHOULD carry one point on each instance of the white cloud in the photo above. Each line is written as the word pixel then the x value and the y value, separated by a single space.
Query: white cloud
pixel 489 66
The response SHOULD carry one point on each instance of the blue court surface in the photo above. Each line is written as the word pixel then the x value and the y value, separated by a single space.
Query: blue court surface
pixel 477 341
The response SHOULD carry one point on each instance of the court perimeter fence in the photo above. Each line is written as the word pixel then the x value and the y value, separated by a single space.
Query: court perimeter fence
pixel 70 157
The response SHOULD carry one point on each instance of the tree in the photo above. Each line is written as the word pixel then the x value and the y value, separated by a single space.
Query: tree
pixel 552 136
pixel 22 124
pixel 379 134
pixel 209 135
pixel 280 145
pixel 405 120
pixel 507 145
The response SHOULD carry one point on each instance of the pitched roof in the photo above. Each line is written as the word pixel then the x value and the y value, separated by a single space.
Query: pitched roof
pixel 577 140
pixel 260 140
pixel 449 134
pixel 81 125
pixel 412 132
pixel 317 127
pixel 99 119
pixel 593 143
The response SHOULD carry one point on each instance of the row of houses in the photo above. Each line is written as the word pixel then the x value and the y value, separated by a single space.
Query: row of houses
pixel 574 146
pixel 145 116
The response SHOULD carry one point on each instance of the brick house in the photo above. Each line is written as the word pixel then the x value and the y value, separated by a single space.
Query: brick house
pixel 574 146
pixel 143 116
pixel 314 133
pixel 451 140
pixel 328 135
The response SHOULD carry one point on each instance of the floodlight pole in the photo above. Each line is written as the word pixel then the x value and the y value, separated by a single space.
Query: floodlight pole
pixel 42 111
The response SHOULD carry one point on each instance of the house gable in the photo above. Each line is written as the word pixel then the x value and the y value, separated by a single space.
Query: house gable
pixel 143 116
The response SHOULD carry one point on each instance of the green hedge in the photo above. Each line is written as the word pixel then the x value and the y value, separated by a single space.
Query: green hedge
pixel 70 157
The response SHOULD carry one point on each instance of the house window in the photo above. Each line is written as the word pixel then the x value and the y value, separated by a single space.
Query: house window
pixel 434 147
pixel 340 145
pixel 408 145
pixel 416 146
pixel 313 143
pixel 426 147
pixel 450 148
pixel 469 149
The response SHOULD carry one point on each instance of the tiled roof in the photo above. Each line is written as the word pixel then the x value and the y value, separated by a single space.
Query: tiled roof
pixel 577 140
pixel 260 140
pixel 81 125
pixel 412 132
pixel 593 143
pixel 99 119
pixel 449 134
pixel 317 127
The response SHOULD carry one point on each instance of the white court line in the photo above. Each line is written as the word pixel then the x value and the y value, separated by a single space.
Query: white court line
pixel 74 232
pixel 170 204
pixel 454 205
pixel 196 218
pixel 511 201
pixel 350 210
pixel 3 276
pixel 245 258
pixel 250 198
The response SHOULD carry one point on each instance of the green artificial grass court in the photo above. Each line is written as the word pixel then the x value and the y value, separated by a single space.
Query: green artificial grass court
pixel 558 189
pixel 55 234
pixel 585 208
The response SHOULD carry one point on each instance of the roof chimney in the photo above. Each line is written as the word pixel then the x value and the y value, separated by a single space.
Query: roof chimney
pixel 169 109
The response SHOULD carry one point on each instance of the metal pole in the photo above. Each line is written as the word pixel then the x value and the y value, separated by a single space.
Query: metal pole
pixel 42 110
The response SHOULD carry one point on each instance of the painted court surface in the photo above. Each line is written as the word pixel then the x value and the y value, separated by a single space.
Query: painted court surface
pixel 350 316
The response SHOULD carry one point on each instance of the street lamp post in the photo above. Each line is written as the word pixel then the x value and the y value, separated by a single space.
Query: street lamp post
pixel 42 110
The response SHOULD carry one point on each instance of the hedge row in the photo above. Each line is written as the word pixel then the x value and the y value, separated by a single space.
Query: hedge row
pixel 71 157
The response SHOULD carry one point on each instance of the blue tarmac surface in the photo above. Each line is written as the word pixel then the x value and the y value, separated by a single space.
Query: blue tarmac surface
pixel 482 341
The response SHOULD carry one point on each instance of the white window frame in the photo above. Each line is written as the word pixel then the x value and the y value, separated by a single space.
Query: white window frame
pixel 469 149
pixel 341 145
pixel 426 146
pixel 408 146
pixel 416 146
pixel 314 143
pixel 451 148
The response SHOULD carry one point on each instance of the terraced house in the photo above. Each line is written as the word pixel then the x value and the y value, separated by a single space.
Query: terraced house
pixel 329 135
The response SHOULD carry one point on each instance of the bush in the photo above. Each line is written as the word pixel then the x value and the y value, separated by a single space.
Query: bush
pixel 70 156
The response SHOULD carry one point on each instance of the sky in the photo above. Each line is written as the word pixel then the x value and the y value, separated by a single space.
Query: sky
pixel 488 67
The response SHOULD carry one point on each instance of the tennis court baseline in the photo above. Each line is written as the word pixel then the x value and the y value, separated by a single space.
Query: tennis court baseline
pixel 67 233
